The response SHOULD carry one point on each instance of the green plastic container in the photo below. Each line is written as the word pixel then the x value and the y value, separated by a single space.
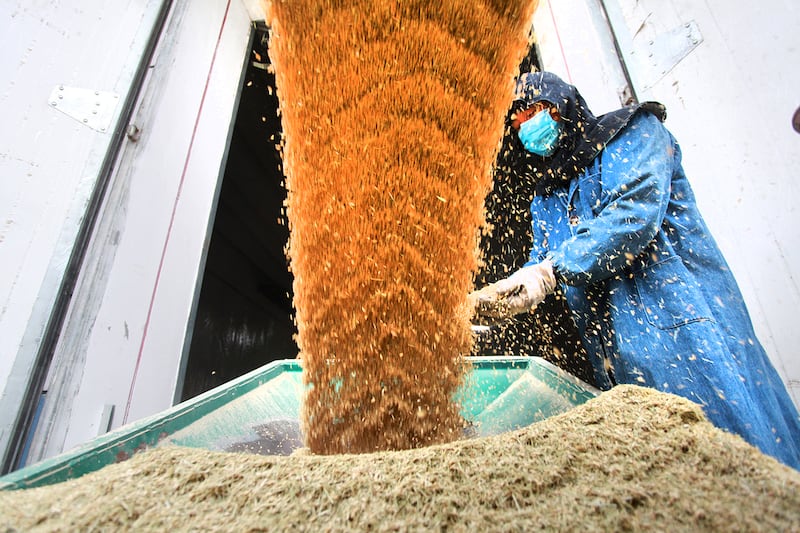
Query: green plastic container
pixel 259 413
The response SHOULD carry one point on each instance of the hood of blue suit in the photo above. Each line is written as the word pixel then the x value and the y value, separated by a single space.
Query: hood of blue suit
pixel 583 136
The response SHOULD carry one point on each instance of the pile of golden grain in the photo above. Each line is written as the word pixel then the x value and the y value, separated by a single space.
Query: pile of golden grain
pixel 633 459
pixel 392 115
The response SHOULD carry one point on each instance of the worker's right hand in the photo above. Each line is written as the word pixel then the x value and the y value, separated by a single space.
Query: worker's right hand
pixel 519 293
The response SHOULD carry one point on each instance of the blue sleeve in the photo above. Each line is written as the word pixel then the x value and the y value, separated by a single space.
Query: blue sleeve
pixel 539 248
pixel 635 191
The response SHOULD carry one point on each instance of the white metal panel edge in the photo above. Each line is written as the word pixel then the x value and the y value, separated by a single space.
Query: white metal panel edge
pixel 191 228
pixel 575 42
pixel 123 338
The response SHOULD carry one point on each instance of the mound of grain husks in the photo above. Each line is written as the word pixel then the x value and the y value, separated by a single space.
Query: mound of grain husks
pixel 632 459
pixel 392 114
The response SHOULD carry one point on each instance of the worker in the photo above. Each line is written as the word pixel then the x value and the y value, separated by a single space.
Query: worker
pixel 615 226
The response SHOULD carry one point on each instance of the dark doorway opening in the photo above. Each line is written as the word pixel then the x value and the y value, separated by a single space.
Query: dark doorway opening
pixel 244 315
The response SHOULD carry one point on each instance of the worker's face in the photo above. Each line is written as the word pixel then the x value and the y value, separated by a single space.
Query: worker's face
pixel 521 116
pixel 539 129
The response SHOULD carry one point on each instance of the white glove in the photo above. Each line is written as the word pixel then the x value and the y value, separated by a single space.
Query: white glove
pixel 519 293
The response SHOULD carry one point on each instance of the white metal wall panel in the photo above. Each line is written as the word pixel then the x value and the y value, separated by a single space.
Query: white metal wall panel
pixel 49 162
pixel 124 335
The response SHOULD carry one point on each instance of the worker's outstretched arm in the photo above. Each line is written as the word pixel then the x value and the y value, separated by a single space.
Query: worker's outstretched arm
pixel 637 169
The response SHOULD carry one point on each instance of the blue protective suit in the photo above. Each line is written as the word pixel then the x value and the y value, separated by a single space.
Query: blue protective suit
pixel 650 292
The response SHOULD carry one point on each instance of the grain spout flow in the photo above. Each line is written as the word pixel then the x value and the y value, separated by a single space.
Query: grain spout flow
pixel 392 114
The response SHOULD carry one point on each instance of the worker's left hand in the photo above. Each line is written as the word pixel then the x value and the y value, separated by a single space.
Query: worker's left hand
pixel 519 293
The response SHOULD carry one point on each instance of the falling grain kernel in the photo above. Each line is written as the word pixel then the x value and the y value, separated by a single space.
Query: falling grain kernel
pixel 390 126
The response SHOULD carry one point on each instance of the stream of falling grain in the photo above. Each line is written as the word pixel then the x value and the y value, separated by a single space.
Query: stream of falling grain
pixel 392 112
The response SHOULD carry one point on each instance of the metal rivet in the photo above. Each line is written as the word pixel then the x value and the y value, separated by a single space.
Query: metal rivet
pixel 133 132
